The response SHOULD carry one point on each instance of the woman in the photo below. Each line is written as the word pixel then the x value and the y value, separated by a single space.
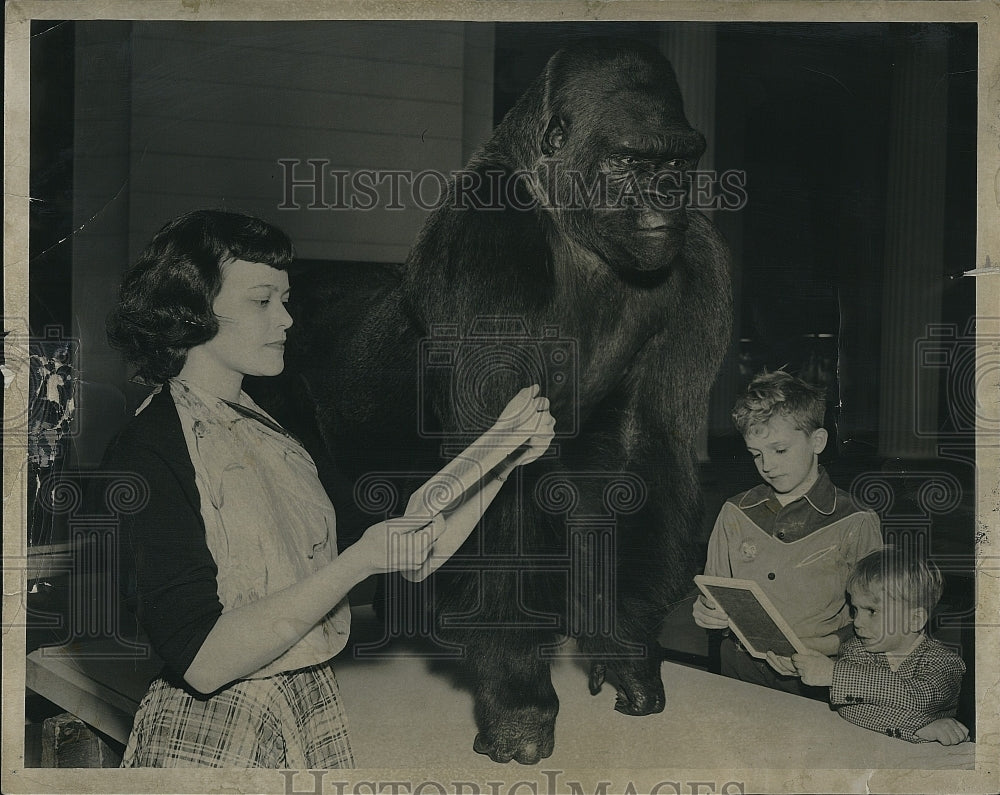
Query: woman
pixel 231 564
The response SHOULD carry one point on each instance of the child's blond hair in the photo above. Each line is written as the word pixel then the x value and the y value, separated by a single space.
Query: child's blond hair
pixel 911 578
pixel 783 394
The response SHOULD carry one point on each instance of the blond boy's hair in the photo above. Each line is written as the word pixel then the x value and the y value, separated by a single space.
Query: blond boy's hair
pixel 911 578
pixel 783 394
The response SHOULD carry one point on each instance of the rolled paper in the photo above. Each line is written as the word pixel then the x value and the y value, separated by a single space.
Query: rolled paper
pixel 465 472
pixel 448 489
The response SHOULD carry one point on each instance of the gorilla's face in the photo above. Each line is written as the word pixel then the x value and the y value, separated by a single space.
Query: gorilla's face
pixel 617 165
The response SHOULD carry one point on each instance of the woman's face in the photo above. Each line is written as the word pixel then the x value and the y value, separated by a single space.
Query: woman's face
pixel 250 308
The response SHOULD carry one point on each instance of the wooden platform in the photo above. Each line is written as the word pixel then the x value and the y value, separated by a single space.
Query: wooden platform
pixel 406 712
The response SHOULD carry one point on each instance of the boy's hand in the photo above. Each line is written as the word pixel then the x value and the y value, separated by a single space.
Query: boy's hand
pixel 783 665
pixel 946 731
pixel 814 668
pixel 708 614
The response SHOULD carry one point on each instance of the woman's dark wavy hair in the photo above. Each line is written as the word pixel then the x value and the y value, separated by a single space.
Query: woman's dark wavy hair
pixel 165 301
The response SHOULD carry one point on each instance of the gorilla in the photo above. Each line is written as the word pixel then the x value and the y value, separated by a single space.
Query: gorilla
pixel 564 254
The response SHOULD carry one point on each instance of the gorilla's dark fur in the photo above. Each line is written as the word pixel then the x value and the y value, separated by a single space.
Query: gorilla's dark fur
pixel 596 539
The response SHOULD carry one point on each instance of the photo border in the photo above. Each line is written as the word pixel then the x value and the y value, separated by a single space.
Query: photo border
pixel 18 15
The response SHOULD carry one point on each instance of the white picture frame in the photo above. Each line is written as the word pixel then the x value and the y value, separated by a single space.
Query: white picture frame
pixel 752 616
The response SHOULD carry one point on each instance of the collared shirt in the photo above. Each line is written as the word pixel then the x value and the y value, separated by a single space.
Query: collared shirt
pixel 798 518
pixel 800 554
pixel 924 688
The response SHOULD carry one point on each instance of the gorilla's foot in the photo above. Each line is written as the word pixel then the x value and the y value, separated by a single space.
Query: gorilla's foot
pixel 525 734
pixel 640 689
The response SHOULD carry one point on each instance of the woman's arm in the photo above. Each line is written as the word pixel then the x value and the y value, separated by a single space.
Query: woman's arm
pixel 249 637
pixel 262 630
pixel 461 520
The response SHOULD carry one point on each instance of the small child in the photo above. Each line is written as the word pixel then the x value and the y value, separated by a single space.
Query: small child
pixel 796 534
pixel 891 678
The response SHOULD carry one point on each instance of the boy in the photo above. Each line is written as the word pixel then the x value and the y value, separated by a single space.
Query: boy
pixel 797 535
pixel 891 678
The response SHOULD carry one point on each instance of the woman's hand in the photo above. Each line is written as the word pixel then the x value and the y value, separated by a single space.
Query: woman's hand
pixel 527 411
pixel 265 628
pixel 541 439
pixel 401 544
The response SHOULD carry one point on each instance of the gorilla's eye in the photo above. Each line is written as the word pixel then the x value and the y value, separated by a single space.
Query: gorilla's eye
pixel 627 160
pixel 678 163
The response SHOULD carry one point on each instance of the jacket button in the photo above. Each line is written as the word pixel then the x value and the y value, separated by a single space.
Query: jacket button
pixel 770 575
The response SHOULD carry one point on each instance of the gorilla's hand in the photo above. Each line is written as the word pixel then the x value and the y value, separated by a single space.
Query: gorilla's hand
pixel 640 689
pixel 526 735
pixel 511 725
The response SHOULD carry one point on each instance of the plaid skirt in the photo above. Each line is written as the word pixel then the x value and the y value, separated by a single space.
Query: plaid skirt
pixel 293 720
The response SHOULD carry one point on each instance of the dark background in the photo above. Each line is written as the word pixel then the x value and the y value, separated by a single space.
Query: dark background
pixel 803 109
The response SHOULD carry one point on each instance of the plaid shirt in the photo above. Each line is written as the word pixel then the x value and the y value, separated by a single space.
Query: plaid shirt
pixel 925 687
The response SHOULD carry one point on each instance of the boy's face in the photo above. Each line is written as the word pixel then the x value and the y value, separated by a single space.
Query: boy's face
pixel 786 456
pixel 883 623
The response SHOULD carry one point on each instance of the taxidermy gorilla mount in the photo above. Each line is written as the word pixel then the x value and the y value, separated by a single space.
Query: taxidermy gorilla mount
pixel 563 256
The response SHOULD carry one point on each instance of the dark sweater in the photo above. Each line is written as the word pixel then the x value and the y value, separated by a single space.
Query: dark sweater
pixel 167 573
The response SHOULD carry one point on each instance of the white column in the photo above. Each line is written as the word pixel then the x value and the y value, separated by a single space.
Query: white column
pixel 691 48
pixel 914 246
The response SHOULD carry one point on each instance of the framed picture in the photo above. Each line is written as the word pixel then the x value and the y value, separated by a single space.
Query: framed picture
pixel 752 616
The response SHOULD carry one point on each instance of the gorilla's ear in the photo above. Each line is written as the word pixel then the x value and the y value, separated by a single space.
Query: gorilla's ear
pixel 555 136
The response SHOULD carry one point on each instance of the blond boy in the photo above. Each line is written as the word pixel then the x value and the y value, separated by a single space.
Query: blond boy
pixel 891 677
pixel 797 535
